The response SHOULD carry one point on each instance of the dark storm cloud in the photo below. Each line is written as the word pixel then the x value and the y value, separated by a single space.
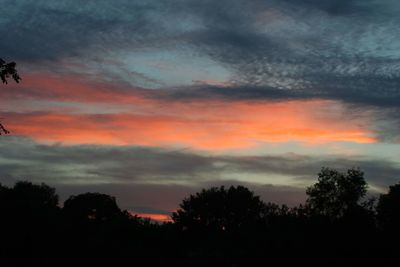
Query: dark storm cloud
pixel 24 159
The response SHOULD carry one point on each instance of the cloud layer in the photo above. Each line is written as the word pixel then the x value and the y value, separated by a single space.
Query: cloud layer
pixel 151 100
pixel 126 170
pixel 346 51
pixel 342 50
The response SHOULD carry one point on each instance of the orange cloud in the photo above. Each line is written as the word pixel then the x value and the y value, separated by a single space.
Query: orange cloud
pixel 209 125
pixel 142 119
pixel 47 86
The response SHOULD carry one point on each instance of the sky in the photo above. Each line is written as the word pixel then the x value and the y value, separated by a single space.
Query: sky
pixel 150 101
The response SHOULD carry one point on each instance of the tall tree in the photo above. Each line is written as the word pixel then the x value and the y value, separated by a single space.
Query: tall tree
pixel 336 193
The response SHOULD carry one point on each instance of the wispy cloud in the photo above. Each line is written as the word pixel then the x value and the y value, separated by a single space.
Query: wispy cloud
pixel 345 51
pixel 207 125
pixel 90 164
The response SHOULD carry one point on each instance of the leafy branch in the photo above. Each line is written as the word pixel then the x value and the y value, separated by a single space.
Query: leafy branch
pixel 7 70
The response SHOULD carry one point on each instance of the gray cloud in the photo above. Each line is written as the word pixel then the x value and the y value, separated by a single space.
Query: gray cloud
pixel 90 164
pixel 162 199
pixel 343 50
pixel 291 51
pixel 47 30
pixel 337 7
pixel 23 158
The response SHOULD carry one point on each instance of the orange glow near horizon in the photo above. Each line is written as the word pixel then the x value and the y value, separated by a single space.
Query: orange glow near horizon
pixel 154 216
pixel 202 124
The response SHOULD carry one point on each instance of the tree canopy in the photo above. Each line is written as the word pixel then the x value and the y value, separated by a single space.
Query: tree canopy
pixel 388 209
pixel 336 193
pixel 27 200
pixel 217 226
pixel 91 207
pixel 220 209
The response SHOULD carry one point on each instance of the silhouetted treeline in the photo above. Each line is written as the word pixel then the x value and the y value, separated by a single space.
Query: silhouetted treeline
pixel 336 226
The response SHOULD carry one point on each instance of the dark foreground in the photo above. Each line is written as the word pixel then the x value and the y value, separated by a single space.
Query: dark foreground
pixel 337 226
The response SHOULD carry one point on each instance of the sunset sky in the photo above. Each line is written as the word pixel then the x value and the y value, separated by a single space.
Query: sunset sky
pixel 152 100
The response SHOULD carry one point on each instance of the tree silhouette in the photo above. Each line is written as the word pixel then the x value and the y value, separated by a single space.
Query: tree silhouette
pixel 224 227
pixel 28 204
pixel 29 219
pixel 93 207
pixel 336 194
pixel 388 209
pixel 96 231
pixel 220 210
pixel 27 200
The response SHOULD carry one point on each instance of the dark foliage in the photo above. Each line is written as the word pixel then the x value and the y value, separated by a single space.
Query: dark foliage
pixel 91 207
pixel 29 221
pixel 7 70
pixel 215 227
pixel 220 209
pixel 336 194
pixel 3 130
pixel 388 210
